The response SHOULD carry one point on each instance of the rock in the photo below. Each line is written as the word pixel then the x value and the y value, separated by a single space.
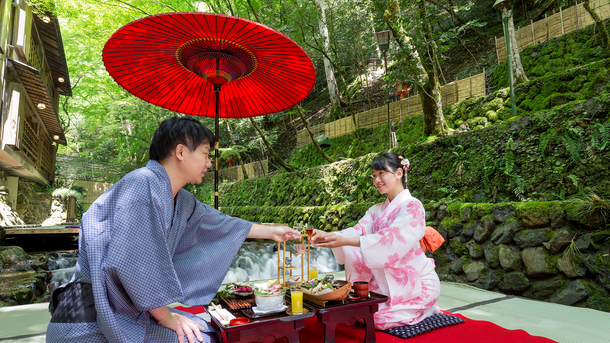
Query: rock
pixel 558 219
pixel 483 231
pixel 456 267
pixel 474 250
pixel 492 255
pixel 430 214
pixel 570 295
pixel 538 262
pixel 584 243
pixel 473 270
pixel 13 255
pixel 502 213
pixel 560 241
pixel 569 267
pixel 532 219
pixel 531 238
pixel 458 247
pixel 489 280
pixel 442 212
pixel 466 212
pixel 510 258
pixel 514 283
pixel 544 289
pixel 599 265
pixel 468 232
pixel 504 233
pixel 452 227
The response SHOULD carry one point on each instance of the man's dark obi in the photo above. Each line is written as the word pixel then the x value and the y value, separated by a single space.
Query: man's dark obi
pixel 73 303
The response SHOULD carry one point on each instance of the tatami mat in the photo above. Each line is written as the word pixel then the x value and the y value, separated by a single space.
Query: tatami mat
pixel 565 324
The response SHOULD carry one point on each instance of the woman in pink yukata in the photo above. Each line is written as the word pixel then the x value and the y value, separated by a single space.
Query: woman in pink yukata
pixel 383 249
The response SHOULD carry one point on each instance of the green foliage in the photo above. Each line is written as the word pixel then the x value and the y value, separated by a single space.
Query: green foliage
pixel 64 193
pixel 576 48
pixel 525 158
pixel 408 131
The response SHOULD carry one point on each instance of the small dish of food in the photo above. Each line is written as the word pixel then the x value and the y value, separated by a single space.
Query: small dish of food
pixel 293 282
pixel 239 321
pixel 353 297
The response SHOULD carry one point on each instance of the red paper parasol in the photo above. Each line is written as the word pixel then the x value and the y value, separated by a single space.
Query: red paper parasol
pixel 208 64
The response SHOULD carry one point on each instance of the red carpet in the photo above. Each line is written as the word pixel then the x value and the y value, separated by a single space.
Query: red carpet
pixel 471 331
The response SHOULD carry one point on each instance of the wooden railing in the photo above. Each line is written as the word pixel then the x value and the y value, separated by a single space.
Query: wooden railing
pixel 28 142
pixel 46 165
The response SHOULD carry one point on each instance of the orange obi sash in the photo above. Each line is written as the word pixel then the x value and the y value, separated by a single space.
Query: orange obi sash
pixel 432 240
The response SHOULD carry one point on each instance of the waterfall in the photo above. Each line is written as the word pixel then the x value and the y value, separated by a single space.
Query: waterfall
pixel 255 261
pixel 258 261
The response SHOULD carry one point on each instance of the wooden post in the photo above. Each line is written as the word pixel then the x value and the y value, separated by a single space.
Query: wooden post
pixel 561 18
pixel 400 108
pixel 546 23
pixel 484 85
pixel 497 50
pixel 577 16
pixel 470 80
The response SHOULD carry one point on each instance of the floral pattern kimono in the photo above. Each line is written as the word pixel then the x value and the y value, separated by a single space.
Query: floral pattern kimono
pixel 391 259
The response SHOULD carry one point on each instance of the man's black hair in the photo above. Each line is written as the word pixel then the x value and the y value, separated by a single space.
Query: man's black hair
pixel 179 130
pixel 390 162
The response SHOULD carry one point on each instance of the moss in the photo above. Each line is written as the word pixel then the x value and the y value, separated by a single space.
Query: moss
pixel 458 247
pixel 454 210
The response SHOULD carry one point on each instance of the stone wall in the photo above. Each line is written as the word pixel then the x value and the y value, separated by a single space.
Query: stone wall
pixel 554 251
pixel 550 251
pixel 33 202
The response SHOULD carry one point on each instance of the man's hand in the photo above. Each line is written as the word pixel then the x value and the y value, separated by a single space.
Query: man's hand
pixel 277 233
pixel 178 323
pixel 284 233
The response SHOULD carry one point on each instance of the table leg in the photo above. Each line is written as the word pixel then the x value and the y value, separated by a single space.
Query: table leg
pixel 329 332
pixel 369 330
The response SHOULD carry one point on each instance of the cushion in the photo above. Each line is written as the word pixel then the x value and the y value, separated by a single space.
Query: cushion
pixel 433 322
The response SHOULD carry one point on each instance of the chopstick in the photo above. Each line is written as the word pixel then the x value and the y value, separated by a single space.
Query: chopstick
pixel 218 310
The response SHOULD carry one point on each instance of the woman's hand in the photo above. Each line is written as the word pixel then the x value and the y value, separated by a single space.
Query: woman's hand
pixel 178 323
pixel 330 240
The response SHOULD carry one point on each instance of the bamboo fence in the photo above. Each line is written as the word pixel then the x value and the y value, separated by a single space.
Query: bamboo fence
pixel 254 170
pixel 451 93
pixel 562 22
pixel 94 189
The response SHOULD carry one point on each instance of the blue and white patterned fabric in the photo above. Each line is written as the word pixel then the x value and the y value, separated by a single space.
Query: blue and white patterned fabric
pixel 433 322
pixel 140 252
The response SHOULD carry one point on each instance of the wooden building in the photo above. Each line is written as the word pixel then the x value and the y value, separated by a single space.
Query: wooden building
pixel 33 72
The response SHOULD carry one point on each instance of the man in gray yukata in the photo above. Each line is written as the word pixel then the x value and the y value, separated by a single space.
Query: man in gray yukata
pixel 146 243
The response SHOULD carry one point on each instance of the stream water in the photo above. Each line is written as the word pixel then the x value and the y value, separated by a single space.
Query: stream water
pixel 255 261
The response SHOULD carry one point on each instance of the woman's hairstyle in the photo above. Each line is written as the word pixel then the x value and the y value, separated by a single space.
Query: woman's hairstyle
pixel 178 130
pixel 390 162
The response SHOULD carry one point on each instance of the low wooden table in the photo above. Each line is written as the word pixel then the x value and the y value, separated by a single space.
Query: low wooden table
pixel 266 329
pixel 334 313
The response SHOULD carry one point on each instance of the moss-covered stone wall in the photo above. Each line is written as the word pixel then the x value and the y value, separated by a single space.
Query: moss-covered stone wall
pixel 554 251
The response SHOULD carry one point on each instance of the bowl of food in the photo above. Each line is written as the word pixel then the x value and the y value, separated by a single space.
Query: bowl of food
pixel 323 290
pixel 353 297
pixel 239 321
pixel 240 289
pixel 271 298
pixel 293 282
